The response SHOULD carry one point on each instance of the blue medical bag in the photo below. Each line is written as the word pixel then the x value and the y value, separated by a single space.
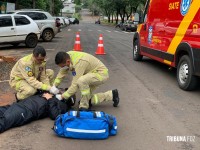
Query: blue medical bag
pixel 85 125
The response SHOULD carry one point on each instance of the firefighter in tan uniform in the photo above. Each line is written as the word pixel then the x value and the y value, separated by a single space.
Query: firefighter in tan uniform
pixel 29 74
pixel 88 73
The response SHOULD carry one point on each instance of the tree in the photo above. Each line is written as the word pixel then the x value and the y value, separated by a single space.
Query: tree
pixel 77 2
pixel 52 6
pixel 122 8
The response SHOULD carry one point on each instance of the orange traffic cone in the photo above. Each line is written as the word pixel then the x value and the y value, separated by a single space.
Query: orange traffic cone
pixel 77 44
pixel 100 48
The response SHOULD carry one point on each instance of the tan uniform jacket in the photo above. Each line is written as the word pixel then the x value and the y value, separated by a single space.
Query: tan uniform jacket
pixel 34 74
pixel 81 64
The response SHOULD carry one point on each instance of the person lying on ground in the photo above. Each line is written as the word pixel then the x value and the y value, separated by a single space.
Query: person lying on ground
pixel 33 108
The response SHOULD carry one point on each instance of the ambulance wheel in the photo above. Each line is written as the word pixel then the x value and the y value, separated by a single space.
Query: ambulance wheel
pixel 186 80
pixel 136 51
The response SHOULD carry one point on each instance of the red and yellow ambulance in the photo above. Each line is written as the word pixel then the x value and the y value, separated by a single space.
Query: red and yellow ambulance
pixel 169 32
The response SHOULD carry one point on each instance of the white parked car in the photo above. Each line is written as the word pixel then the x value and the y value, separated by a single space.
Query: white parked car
pixel 15 29
pixel 74 21
pixel 67 21
pixel 44 20
pixel 61 20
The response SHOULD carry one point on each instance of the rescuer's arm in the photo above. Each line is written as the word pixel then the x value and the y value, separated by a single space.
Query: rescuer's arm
pixel 60 76
pixel 79 70
pixel 29 77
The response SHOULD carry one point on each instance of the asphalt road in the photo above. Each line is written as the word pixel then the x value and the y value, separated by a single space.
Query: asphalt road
pixel 151 109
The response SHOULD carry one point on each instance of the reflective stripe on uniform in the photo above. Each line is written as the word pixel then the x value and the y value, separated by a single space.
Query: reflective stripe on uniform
pixel 66 95
pixel 17 85
pixel 57 81
pixel 17 78
pixel 85 92
pixel 98 76
pixel 105 71
pixel 44 87
pixel 96 101
pixel 75 56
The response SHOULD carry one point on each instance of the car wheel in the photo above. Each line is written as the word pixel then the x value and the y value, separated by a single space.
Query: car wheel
pixel 136 51
pixel 47 35
pixel 186 80
pixel 31 40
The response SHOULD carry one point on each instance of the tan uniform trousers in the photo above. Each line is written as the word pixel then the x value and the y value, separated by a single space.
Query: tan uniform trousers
pixel 25 90
pixel 87 84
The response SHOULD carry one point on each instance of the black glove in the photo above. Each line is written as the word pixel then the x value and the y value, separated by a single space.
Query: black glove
pixel 71 101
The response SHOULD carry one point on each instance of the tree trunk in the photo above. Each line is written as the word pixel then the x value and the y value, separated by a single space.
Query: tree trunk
pixel 33 4
pixel 109 18
pixel 51 9
pixel 122 17
pixel 117 13
pixel 112 17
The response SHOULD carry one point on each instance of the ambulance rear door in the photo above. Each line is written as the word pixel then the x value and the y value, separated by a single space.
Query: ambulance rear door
pixel 152 34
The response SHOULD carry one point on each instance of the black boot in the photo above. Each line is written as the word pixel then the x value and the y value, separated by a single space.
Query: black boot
pixel 90 104
pixel 115 97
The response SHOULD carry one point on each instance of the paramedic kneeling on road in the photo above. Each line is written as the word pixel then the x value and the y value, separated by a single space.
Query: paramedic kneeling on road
pixel 88 72
pixel 29 74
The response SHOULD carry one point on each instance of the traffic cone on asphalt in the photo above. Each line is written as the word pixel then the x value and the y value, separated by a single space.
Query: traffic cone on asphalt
pixel 100 48
pixel 77 44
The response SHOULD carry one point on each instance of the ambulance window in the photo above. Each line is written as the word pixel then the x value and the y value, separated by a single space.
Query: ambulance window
pixel 145 18
pixel 146 10
pixel 142 11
